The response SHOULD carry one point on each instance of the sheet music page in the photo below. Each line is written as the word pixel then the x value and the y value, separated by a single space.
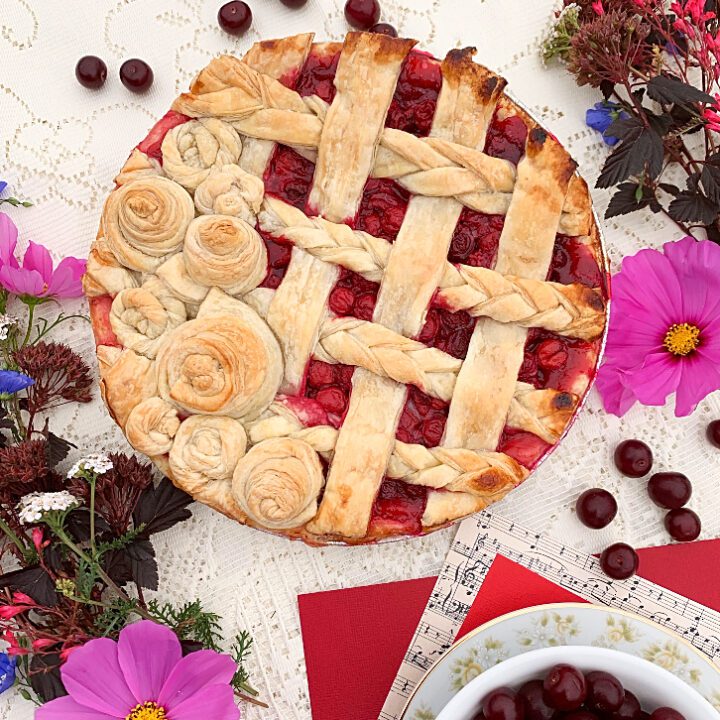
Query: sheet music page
pixel 479 539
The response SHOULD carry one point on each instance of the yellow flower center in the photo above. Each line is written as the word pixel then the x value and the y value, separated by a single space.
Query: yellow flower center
pixel 682 339
pixel 147 711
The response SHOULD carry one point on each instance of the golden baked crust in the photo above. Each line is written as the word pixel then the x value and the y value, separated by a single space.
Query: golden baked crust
pixel 203 369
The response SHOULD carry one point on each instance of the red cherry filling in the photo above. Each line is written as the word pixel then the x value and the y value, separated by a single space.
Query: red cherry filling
pixel 448 331
pixel 330 385
pixel 476 238
pixel 526 448
pixel 279 254
pixel 289 176
pixel 100 316
pixel 416 94
pixel 573 262
pixel 506 138
pixel 152 144
pixel 353 295
pixel 423 419
pixel 317 76
pixel 382 209
pixel 554 361
pixel 398 507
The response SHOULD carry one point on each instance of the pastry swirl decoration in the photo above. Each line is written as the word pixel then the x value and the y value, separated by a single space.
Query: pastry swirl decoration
pixel 151 426
pixel 104 275
pixel 144 221
pixel 224 251
pixel 191 151
pixel 230 190
pixel 140 317
pixel 206 449
pixel 278 482
pixel 261 107
pixel 574 310
pixel 220 364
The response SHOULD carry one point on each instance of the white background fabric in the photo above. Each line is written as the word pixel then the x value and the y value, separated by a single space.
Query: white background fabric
pixel 61 145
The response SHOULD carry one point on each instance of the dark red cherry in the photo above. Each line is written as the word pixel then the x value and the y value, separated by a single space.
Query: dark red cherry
pixel 666 713
pixel 669 490
pixel 384 29
pixel 503 704
pixel 619 561
pixel 136 75
pixel 235 17
pixel 596 508
pixel 362 14
pixel 629 710
pixel 91 72
pixel 293 3
pixel 713 433
pixel 683 525
pixel 579 715
pixel 633 458
pixel 535 706
pixel 565 688
pixel 605 692
pixel 332 399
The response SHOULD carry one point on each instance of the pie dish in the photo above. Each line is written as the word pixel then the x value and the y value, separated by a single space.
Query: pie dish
pixel 346 291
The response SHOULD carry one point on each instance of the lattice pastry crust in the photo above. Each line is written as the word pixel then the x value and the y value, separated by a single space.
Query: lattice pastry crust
pixel 204 364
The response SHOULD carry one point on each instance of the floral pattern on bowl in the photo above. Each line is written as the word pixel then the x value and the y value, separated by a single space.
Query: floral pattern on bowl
pixel 551 626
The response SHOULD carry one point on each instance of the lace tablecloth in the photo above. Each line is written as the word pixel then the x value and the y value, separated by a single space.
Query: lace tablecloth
pixel 61 147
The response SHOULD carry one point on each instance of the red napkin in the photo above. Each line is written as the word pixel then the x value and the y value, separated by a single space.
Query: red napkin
pixel 355 639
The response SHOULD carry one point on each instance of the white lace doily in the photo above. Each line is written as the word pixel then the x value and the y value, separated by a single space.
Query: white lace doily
pixel 61 147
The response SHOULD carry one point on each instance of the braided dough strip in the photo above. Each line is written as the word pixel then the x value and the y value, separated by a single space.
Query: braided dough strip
pixel 482 474
pixel 574 310
pixel 261 107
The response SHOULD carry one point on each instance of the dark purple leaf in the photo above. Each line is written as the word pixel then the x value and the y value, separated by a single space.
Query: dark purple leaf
pixel 116 564
pixel 673 190
pixel 33 581
pixel 78 525
pixel 691 206
pixel 161 507
pixel 710 178
pixel 56 448
pixel 630 197
pixel 190 646
pixel 641 150
pixel 668 90
pixel 143 564
pixel 45 678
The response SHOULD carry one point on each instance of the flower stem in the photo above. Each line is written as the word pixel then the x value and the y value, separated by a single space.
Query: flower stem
pixel 31 317
pixel 15 539
pixel 93 482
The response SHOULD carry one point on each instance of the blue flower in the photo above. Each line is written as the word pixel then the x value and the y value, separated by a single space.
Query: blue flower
pixel 12 382
pixel 602 116
pixel 7 672
pixel 3 185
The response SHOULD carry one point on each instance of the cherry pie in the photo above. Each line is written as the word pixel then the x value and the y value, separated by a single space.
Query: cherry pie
pixel 347 291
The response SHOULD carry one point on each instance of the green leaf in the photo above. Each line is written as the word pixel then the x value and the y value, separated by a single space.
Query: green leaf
pixel 669 90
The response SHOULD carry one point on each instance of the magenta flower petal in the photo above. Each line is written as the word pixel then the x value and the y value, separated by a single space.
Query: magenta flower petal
pixel 66 281
pixel 193 673
pixel 93 677
pixel 37 257
pixel 147 653
pixel 8 241
pixel 21 281
pixel 616 394
pixel 212 701
pixel 656 379
pixel 694 386
pixel 65 708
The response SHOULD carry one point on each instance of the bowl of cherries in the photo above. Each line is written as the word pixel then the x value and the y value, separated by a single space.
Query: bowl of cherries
pixel 577 683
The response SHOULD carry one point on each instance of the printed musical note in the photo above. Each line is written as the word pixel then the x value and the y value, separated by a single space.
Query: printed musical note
pixel 478 541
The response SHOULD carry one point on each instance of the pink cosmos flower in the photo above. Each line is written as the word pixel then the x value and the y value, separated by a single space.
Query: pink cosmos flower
pixel 143 676
pixel 664 328
pixel 36 277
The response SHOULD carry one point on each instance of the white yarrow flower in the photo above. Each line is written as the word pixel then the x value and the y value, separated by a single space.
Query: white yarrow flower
pixel 6 322
pixel 97 463
pixel 33 507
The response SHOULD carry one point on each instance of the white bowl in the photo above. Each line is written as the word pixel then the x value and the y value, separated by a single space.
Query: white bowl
pixel 653 686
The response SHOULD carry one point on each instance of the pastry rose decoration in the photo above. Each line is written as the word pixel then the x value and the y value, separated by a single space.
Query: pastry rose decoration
pixel 225 252
pixel 140 317
pixel 192 150
pixel 151 426
pixel 277 484
pixel 145 220
pixel 206 448
pixel 230 191
pixel 225 362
